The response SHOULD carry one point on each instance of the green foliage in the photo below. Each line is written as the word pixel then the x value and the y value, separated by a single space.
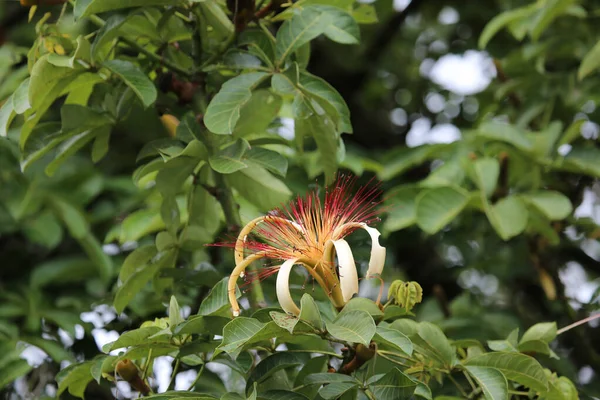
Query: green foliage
pixel 134 134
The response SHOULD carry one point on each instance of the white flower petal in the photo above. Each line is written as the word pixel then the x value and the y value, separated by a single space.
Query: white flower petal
pixel 283 288
pixel 347 269
pixel 377 260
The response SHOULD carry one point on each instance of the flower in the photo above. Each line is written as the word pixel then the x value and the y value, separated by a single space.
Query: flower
pixel 310 232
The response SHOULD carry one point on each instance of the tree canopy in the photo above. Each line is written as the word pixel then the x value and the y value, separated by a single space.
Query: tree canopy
pixel 314 199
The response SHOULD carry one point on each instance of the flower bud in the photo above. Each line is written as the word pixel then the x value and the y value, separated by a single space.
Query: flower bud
pixel 170 122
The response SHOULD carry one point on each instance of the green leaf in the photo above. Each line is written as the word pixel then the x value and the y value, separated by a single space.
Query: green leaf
pixel 84 8
pixel 437 207
pixel 401 208
pixel 76 118
pixel 270 365
pixel 398 161
pixel 552 10
pixel 500 21
pixel 342 28
pixel 105 35
pixel 583 160
pixel 544 331
pixel 7 113
pixel 12 371
pixel 44 82
pixel 423 391
pixel 435 342
pixel 282 395
pixel 101 260
pixel 448 174
pixel 259 187
pixel 328 377
pixel 133 77
pixel 305 25
pixel 258 113
pixel 136 259
pixel 20 98
pixel 486 172
pixel 61 271
pixel 100 146
pixel 71 216
pixel 536 346
pixel 309 312
pixel 75 378
pixel 69 147
pixel 204 209
pixel 336 390
pixel 217 301
pixel 508 217
pixel 554 205
pixel 223 112
pixel 170 214
pixel 318 87
pixel 219 20
pixel 229 159
pixel 132 338
pixel 201 324
pixel 492 382
pixel 138 279
pixel 268 159
pixel 54 349
pixel 353 326
pixel 322 130
pixel 239 332
pixel 364 304
pixel 572 132
pixel 82 52
pixel 285 321
pixel 393 386
pixel 174 312
pixel 515 366
pixel 503 132
pixel 394 338
pixel 590 62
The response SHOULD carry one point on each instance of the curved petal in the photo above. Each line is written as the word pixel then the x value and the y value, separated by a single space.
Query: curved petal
pixel 377 260
pixel 348 274
pixel 235 274
pixel 283 288
pixel 243 236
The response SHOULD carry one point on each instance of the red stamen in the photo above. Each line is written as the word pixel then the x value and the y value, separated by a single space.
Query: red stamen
pixel 316 221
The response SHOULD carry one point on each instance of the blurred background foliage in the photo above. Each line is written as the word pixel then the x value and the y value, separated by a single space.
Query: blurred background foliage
pixel 482 133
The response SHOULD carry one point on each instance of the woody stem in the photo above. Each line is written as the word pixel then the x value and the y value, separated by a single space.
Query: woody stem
pixel 232 216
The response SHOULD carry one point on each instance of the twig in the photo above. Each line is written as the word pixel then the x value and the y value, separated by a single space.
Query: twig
pixel 174 374
pixel 460 388
pixel 131 43
pixel 580 322
pixel 197 377
pixel 390 359
pixel 473 386
pixel 329 353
